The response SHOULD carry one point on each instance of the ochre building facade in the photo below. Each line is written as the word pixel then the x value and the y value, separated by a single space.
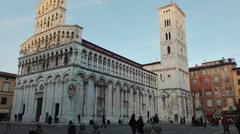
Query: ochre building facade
pixel 212 87
pixel 7 86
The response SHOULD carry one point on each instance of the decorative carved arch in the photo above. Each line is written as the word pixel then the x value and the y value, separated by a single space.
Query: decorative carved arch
pixel 31 83
pixel 39 78
pixel 110 81
pixel 125 84
pixel 118 83
pixel 49 79
pixel 25 83
pixel 81 73
pixel 91 77
pixel 65 77
pixel 40 86
pixel 101 78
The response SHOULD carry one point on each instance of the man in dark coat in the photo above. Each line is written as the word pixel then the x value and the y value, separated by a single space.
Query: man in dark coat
pixel 140 125
pixel 50 120
pixel 104 121
pixel 133 124
pixel 237 123
pixel 225 123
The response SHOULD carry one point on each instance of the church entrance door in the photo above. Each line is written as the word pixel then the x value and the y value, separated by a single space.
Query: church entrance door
pixel 56 119
pixel 39 108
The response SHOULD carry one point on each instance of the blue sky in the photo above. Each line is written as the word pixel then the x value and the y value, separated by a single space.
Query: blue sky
pixel 130 27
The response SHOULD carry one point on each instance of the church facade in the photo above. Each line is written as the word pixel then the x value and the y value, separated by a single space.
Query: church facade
pixel 63 75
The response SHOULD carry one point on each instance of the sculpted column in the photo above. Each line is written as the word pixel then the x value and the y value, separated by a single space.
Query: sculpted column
pixel 152 104
pixel 134 101
pixel 178 103
pixel 44 103
pixel 71 101
pixel 109 101
pixel 62 105
pixel 130 101
pixel 80 96
pixel 84 103
pixel 26 102
pixel 144 106
pixel 137 104
pixel 31 102
pixel 16 103
pixel 49 98
pixel 91 94
pixel 122 103
pixel 53 98
pixel 140 103
pixel 95 103
pixel 114 102
pixel 147 102
pixel 118 101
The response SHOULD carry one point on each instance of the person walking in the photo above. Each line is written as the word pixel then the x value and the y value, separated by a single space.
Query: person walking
pixel 15 117
pixel 184 120
pixel 79 118
pixel 237 123
pixel 140 125
pixel 133 124
pixel 71 128
pixel 104 121
pixel 50 120
pixel 46 117
pixel 225 124
pixel 181 120
pixel 201 121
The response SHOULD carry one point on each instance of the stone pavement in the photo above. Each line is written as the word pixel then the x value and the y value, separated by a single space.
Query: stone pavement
pixel 116 129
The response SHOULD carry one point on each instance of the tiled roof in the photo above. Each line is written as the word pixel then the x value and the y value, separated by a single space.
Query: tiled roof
pixel 211 66
pixel 152 63
pixel 104 51
pixel 6 74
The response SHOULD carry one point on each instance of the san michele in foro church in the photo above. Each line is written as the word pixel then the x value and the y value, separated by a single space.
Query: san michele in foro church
pixel 63 75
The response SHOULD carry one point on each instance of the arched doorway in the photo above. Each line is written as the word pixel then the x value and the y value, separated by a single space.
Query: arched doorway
pixel 39 101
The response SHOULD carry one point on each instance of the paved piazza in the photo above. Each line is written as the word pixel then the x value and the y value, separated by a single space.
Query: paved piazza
pixel 118 129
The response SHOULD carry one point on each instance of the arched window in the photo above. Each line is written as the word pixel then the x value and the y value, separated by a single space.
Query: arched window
pixel 100 62
pixel 104 63
pixel 168 49
pixel 89 62
pixel 169 36
pixel 95 61
pixel 56 59
pixel 166 35
pixel 169 22
pixel 66 58
pixel 108 65
pixel 113 65
pixel 83 57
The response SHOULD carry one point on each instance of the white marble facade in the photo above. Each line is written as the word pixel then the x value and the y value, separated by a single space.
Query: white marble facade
pixel 175 99
pixel 80 89
pixel 64 75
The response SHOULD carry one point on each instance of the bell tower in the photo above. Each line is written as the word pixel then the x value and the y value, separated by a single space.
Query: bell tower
pixel 173 47
pixel 174 74
pixel 50 13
